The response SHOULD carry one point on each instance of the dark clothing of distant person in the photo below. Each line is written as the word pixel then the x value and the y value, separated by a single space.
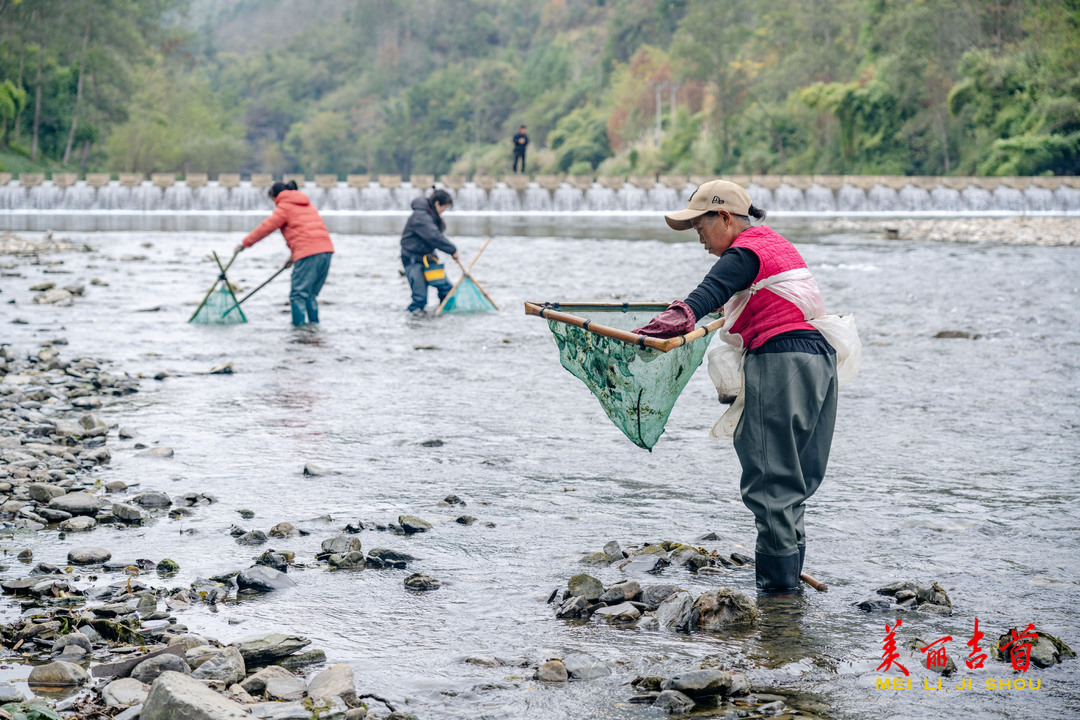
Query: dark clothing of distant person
pixel 423 235
pixel 521 142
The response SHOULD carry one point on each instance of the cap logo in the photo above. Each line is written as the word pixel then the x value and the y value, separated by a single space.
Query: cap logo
pixel 716 200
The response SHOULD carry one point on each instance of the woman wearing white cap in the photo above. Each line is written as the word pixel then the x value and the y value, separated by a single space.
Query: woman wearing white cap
pixel 789 369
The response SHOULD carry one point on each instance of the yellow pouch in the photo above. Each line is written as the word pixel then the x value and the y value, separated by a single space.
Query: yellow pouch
pixel 433 269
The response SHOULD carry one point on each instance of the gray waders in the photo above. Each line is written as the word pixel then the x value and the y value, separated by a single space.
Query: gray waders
pixel 783 441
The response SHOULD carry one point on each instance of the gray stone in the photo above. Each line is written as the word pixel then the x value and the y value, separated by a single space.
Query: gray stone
pixel 701 683
pixel 334 681
pixel 124 692
pixel 161 452
pixel 76 639
pixel 340 545
pixel 256 684
pixel 572 608
pixel 382 557
pixel 612 549
pixel 874 604
pixel 673 702
pixel 675 612
pixel 254 537
pixel 77 503
pixel 43 492
pixel 586 586
pixel 148 670
pixel 116 486
pixel 552 671
pixel 88 555
pixel 412 524
pixel 152 499
pixel 9 693
pixel 621 613
pixel 284 530
pixel 421 582
pixel 188 641
pixel 265 649
pixel 647 563
pixel 79 523
pixel 280 688
pixel 628 590
pixel 724 608
pixel 58 674
pixel 225 665
pixel 175 696
pixel 583 666
pixel 132 713
pixel 263 579
pixel 332 709
pixel 349 560
pixel 128 513
pixel 313 470
pixel 55 516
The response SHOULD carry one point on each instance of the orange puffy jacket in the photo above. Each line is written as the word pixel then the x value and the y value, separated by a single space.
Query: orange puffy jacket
pixel 299 221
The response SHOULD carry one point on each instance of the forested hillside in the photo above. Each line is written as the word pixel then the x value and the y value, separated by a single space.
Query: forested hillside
pixel 930 87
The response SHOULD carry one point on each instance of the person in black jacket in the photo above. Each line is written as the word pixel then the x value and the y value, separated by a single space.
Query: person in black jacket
pixel 521 142
pixel 422 236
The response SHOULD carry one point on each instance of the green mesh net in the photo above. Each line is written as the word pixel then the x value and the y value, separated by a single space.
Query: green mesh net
pixel 637 387
pixel 468 298
pixel 220 309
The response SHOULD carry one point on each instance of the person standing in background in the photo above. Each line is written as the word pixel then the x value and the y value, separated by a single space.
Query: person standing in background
pixel 521 141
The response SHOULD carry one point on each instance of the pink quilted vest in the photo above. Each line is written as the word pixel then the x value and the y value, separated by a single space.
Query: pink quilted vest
pixel 767 314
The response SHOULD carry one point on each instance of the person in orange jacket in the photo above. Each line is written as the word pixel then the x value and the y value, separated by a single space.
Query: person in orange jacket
pixel 307 238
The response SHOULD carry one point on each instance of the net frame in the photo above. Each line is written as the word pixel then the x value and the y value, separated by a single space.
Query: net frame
pixel 447 304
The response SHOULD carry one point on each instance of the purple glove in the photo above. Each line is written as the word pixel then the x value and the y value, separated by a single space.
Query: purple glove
pixel 677 320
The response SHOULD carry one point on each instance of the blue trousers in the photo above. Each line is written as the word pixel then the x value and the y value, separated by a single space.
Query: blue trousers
pixel 418 284
pixel 308 276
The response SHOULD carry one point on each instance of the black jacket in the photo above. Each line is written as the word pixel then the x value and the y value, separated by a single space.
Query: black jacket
pixel 423 232
pixel 519 147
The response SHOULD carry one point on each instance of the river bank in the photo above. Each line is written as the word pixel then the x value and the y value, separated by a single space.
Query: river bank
pixel 1012 230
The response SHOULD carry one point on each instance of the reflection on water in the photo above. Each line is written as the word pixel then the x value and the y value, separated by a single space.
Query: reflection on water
pixel 954 461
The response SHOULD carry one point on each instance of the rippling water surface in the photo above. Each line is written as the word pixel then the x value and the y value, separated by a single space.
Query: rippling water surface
pixel 955 461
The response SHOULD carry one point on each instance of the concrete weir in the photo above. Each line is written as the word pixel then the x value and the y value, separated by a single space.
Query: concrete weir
pixel 165 202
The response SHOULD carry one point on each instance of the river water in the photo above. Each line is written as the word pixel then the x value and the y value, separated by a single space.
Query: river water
pixel 955 460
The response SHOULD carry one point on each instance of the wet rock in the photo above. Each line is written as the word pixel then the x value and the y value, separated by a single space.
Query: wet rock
pixel 348 561
pixel 224 665
pixel 58 674
pixel 256 683
pixel 383 558
pixel 551 671
pixel 702 683
pixel 56 516
pixel 650 563
pixel 597 558
pixel 159 452
pixel 225 368
pixel 572 608
pixel 586 586
pixel 689 558
pixel 77 503
pixel 955 335
pixel 79 523
pixel 10 694
pixel 675 611
pixel 673 702
pixel 88 555
pixel 1046 650
pixel 421 582
pixel 412 524
pixel 284 530
pixel 55 296
pixel 273 559
pixel 334 681
pixel 167 567
pixel 246 514
pixel 254 537
pixel 263 579
pixel 148 670
pixel 267 648
pixel 43 492
pixel 125 434
pixel 124 692
pixel 76 639
pixel 626 590
pixel 742 560
pixel 653 595
pixel 582 666
pixel 873 604
pixel 724 608
pixel 623 613
pixel 128 513
pixel 450 500
pixel 152 499
pixel 612 550
pixel 465 520
pixel 175 695
pixel 281 688
pixel 339 545
pixel 313 470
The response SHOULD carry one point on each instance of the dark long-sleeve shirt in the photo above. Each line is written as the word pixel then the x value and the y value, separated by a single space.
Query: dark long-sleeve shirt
pixel 521 141
pixel 423 232
pixel 735 271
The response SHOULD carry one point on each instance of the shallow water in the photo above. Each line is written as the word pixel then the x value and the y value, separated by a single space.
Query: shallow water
pixel 954 461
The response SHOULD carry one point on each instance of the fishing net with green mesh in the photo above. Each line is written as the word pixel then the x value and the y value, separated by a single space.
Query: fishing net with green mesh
pixel 636 385
pixel 220 308
pixel 468 298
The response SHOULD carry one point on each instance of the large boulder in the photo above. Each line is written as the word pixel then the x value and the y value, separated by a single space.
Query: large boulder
pixel 58 674
pixel 175 696
pixel 412 524
pixel 340 545
pixel 77 503
pixel 586 586
pixel 225 665
pixel 88 555
pixel 582 666
pixel 265 649
pixel 124 692
pixel 723 608
pixel 261 578
pixel 335 681
pixel 256 683
pixel 149 669
pixel 675 611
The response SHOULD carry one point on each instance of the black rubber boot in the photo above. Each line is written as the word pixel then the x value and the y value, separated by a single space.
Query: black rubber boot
pixel 802 557
pixel 777 574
